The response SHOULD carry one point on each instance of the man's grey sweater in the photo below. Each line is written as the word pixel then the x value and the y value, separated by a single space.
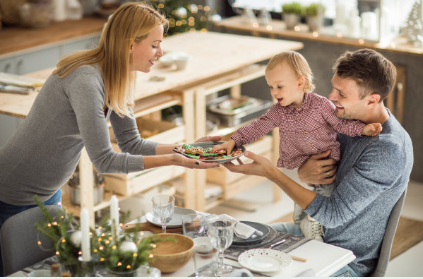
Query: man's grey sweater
pixel 66 116
pixel 372 175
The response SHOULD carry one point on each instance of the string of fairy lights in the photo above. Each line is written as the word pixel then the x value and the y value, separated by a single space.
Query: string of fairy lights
pixel 184 16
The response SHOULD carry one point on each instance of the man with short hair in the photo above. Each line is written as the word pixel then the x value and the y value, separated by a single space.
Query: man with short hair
pixel 373 171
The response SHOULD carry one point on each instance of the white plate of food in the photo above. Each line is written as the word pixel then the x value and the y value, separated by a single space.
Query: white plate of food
pixel 175 222
pixel 264 260
pixel 202 152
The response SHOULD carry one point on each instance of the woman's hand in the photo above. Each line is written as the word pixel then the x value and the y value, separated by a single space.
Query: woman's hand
pixel 182 161
pixel 318 169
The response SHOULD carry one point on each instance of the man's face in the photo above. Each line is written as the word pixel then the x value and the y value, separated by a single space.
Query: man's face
pixel 346 97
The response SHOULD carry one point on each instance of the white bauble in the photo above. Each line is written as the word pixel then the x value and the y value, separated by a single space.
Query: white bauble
pixel 76 238
pixel 193 8
pixel 181 12
pixel 128 246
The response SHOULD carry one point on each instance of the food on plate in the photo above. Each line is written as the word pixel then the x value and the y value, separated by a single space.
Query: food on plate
pixel 205 153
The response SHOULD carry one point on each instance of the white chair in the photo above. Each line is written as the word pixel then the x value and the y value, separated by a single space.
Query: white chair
pixel 388 238
pixel 19 240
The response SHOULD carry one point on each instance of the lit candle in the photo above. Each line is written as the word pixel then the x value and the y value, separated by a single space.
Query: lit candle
pixel 114 215
pixel 85 229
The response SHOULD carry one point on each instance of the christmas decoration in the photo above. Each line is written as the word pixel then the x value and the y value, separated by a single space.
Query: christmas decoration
pixel 123 252
pixel 184 16
pixel 76 238
pixel 413 29
pixel 128 246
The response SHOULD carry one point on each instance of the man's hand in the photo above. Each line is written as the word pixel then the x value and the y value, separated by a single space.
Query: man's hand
pixel 259 166
pixel 318 169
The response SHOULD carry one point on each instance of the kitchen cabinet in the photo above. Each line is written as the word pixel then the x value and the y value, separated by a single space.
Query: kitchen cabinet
pixel 217 62
pixel 36 59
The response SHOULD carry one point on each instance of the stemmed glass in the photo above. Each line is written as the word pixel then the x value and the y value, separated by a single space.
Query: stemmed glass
pixel 163 206
pixel 221 234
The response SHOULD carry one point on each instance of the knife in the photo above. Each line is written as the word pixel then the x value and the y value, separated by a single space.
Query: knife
pixel 279 242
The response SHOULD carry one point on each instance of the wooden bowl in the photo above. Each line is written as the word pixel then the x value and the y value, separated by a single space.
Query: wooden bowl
pixel 170 256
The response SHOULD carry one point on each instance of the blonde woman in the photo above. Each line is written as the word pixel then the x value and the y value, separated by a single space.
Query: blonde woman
pixel 307 125
pixel 72 109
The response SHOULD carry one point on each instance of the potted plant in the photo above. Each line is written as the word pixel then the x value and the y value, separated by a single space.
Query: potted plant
pixel 291 13
pixel 314 14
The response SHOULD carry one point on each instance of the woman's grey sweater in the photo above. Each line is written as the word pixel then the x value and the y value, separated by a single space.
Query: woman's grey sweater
pixel 66 116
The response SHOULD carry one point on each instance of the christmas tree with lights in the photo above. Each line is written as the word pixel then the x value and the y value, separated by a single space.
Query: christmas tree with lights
pixel 183 16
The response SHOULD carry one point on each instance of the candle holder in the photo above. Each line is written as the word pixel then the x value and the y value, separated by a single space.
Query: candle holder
pixel 78 269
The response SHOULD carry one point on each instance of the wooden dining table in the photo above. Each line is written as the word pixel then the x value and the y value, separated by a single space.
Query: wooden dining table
pixel 322 260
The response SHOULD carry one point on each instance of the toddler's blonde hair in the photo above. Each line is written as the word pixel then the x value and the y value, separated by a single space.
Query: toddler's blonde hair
pixel 297 63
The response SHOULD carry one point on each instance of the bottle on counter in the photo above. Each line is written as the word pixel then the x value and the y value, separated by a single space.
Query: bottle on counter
pixel 74 10
pixel 59 10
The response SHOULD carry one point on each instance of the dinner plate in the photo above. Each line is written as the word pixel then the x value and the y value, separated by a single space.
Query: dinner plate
pixel 264 260
pixel 176 221
pixel 206 144
pixel 255 238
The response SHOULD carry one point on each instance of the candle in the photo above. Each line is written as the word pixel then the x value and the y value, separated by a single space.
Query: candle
pixel 85 229
pixel 114 215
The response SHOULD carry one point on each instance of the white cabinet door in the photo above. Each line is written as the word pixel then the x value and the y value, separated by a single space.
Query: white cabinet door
pixel 80 45
pixel 37 60
pixel 7 65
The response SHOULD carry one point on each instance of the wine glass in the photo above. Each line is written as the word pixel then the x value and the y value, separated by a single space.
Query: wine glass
pixel 163 206
pixel 221 234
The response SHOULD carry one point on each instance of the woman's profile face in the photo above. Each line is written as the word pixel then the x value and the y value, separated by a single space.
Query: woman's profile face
pixel 146 52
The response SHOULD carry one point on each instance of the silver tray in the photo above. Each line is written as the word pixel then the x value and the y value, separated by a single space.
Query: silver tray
pixel 252 108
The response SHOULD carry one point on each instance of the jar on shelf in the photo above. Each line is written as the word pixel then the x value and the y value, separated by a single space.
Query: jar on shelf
pixel 36 13
pixel 75 188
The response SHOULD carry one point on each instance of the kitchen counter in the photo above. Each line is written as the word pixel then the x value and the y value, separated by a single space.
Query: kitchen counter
pixel 14 39
pixel 277 28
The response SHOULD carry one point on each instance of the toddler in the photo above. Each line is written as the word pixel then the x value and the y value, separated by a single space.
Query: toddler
pixel 307 125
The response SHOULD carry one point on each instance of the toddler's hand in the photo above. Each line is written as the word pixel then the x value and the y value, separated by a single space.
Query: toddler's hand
pixel 372 129
pixel 228 146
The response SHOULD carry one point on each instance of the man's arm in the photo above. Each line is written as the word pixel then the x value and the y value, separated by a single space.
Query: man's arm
pixel 262 167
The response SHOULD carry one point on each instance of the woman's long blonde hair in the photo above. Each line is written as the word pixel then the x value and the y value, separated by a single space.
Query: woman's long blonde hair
pixel 131 22
pixel 298 64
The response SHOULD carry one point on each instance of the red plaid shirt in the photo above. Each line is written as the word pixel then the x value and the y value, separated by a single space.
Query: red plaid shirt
pixel 304 131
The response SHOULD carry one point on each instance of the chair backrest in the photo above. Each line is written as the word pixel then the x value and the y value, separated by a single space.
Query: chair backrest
pixel 388 238
pixel 19 240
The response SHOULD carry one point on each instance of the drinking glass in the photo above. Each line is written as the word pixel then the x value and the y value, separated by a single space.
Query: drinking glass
pixel 163 206
pixel 221 233
pixel 193 225
pixel 205 257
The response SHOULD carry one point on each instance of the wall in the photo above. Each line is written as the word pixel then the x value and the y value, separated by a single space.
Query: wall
pixel 321 57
